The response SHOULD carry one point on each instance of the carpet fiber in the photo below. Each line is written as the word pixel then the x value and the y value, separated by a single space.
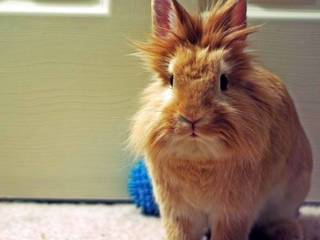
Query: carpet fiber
pixel 25 221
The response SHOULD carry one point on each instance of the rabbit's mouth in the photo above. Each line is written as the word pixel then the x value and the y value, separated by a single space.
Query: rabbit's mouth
pixel 196 145
pixel 185 132
pixel 194 135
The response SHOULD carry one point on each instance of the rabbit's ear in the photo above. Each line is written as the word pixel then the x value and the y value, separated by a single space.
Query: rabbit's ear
pixel 239 14
pixel 168 15
pixel 162 14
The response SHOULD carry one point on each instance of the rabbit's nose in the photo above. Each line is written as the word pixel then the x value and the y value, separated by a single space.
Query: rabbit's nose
pixel 188 120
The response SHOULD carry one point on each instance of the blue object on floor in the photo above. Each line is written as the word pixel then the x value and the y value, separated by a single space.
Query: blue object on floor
pixel 140 189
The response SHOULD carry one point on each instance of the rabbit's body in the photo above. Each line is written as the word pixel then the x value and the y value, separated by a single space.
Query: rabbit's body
pixel 226 154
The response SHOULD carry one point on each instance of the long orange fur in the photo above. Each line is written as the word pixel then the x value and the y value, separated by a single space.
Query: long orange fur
pixel 250 166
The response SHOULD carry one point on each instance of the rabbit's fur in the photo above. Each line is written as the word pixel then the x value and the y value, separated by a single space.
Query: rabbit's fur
pixel 228 160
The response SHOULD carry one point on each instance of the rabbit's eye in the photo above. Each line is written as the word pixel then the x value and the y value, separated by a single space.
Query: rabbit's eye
pixel 224 82
pixel 171 79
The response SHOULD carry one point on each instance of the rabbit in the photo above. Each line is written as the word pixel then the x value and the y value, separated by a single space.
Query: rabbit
pixel 224 145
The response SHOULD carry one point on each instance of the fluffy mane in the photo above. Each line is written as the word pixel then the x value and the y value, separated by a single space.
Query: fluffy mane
pixel 214 29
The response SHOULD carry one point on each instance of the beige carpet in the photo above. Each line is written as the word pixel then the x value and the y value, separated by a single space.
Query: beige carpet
pixel 23 221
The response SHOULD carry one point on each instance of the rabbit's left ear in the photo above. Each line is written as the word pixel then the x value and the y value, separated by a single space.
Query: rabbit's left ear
pixel 239 14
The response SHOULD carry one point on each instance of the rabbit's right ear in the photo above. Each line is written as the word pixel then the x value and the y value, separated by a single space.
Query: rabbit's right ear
pixel 168 16
pixel 162 11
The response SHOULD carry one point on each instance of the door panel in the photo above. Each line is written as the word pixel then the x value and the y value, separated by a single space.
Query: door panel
pixel 68 87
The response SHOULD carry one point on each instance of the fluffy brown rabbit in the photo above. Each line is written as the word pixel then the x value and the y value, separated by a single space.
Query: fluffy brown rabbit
pixel 223 142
